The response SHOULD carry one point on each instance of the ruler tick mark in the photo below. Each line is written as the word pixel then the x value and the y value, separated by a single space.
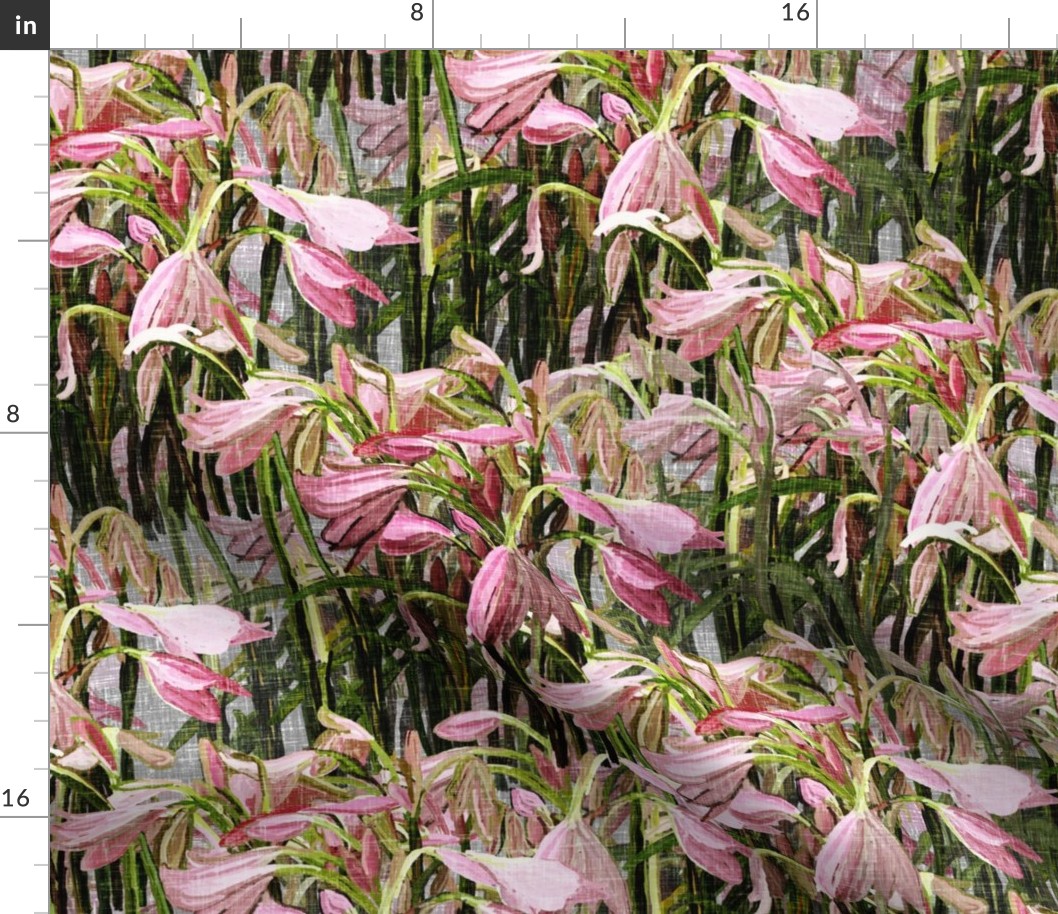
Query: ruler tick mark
pixel 33 240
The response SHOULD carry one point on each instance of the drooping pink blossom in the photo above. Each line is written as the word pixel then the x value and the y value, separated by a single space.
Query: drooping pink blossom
pixel 1008 633
pixel 793 167
pixel 996 790
pixel 220 883
pixel 185 684
pixel 187 630
pixel 860 857
pixel 356 499
pixel 408 533
pixel 183 289
pixel 595 702
pixel 574 843
pixel 78 244
pixel 506 588
pixel 324 279
pixel 707 773
pixel 552 122
pixel 336 223
pixel 637 581
pixel 988 841
pixel 708 845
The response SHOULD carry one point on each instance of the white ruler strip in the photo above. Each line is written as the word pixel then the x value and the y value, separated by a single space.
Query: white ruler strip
pixel 24 368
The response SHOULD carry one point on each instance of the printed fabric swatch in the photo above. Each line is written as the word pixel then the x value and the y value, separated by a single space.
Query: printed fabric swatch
pixel 599 482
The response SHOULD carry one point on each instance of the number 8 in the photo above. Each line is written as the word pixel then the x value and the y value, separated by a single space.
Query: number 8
pixel 416 12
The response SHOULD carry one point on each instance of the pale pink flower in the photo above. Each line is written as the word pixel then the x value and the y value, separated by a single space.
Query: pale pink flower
pixel 187 630
pixel 804 110
pixel 336 223
pixel 996 790
pixel 175 128
pixel 988 841
pixel 964 487
pixel 655 174
pixel 882 96
pixel 506 588
pixel 596 702
pixel 503 87
pixel 357 499
pixel 408 533
pixel 706 773
pixel 468 726
pixel 97 90
pixel 793 167
pixel 551 122
pixel 79 244
pixel 638 580
pixel 238 430
pixel 343 735
pixel 862 856
pixel 86 148
pixel 221 883
pixel 1008 633
pixel 185 684
pixel 64 193
pixel 530 885
pixel 324 279
pixel 708 845
pixel 184 290
pixel 574 843
pixel 385 134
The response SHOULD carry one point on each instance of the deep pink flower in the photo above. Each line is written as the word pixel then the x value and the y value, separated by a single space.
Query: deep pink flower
pixel 862 856
pixel 655 174
pixel 1008 633
pixel 187 630
pixel 708 845
pixel 357 500
pixel 882 94
pixel 185 684
pixel 988 841
pixel 220 883
pixel 336 223
pixel 704 318
pixel 614 108
pixel 324 279
pixel 503 87
pixel 408 533
pixel 551 122
pixel 141 229
pixel 964 487
pixel 507 587
pixel 238 430
pixel 637 581
pixel 79 244
pixel 793 167
pixel 183 289
pixel 97 90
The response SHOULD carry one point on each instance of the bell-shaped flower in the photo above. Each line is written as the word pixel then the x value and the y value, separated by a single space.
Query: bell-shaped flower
pixel 531 885
pixel 221 883
pixel 637 581
pixel 1008 633
pixel 506 588
pixel 189 630
pixel 324 279
pixel 552 122
pixel 793 168
pixel 408 533
pixel 502 87
pixel 238 430
pixel 860 857
pixel 79 244
pixel 707 773
pixel 996 790
pixel 356 499
pixel 988 841
pixel 708 845
pixel 574 843
pixel 185 684
pixel 655 174
pixel 184 290
pixel 336 223
pixel 597 701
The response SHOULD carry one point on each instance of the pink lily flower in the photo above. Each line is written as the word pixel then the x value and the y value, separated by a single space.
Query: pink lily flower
pixel 804 110
pixel 706 773
pixel 175 128
pixel 861 856
pixel 79 244
pixel 528 884
pixel 64 193
pixel 183 289
pixel 221 883
pixel 552 122
pixel 239 430
pixel 882 96
pixel 185 684
pixel 324 278
pixel 655 174
pixel 614 108
pixel 964 487
pixel 1008 633
pixel 357 499
pixel 503 87
pixel 793 166
pixel 754 810
pixel 644 526
pixel 336 223
pixel 594 703
pixel 574 843
pixel 638 580
pixel 506 588
pixel 988 841
pixel 106 834
pixel 996 790
pixel 187 631
pixel 408 533
pixel 86 148
pixel 142 230
pixel 703 319
pixel 468 726
pixel 97 89
pixel 708 845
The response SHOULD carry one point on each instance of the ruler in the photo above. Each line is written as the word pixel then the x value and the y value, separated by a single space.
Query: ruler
pixel 24 361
